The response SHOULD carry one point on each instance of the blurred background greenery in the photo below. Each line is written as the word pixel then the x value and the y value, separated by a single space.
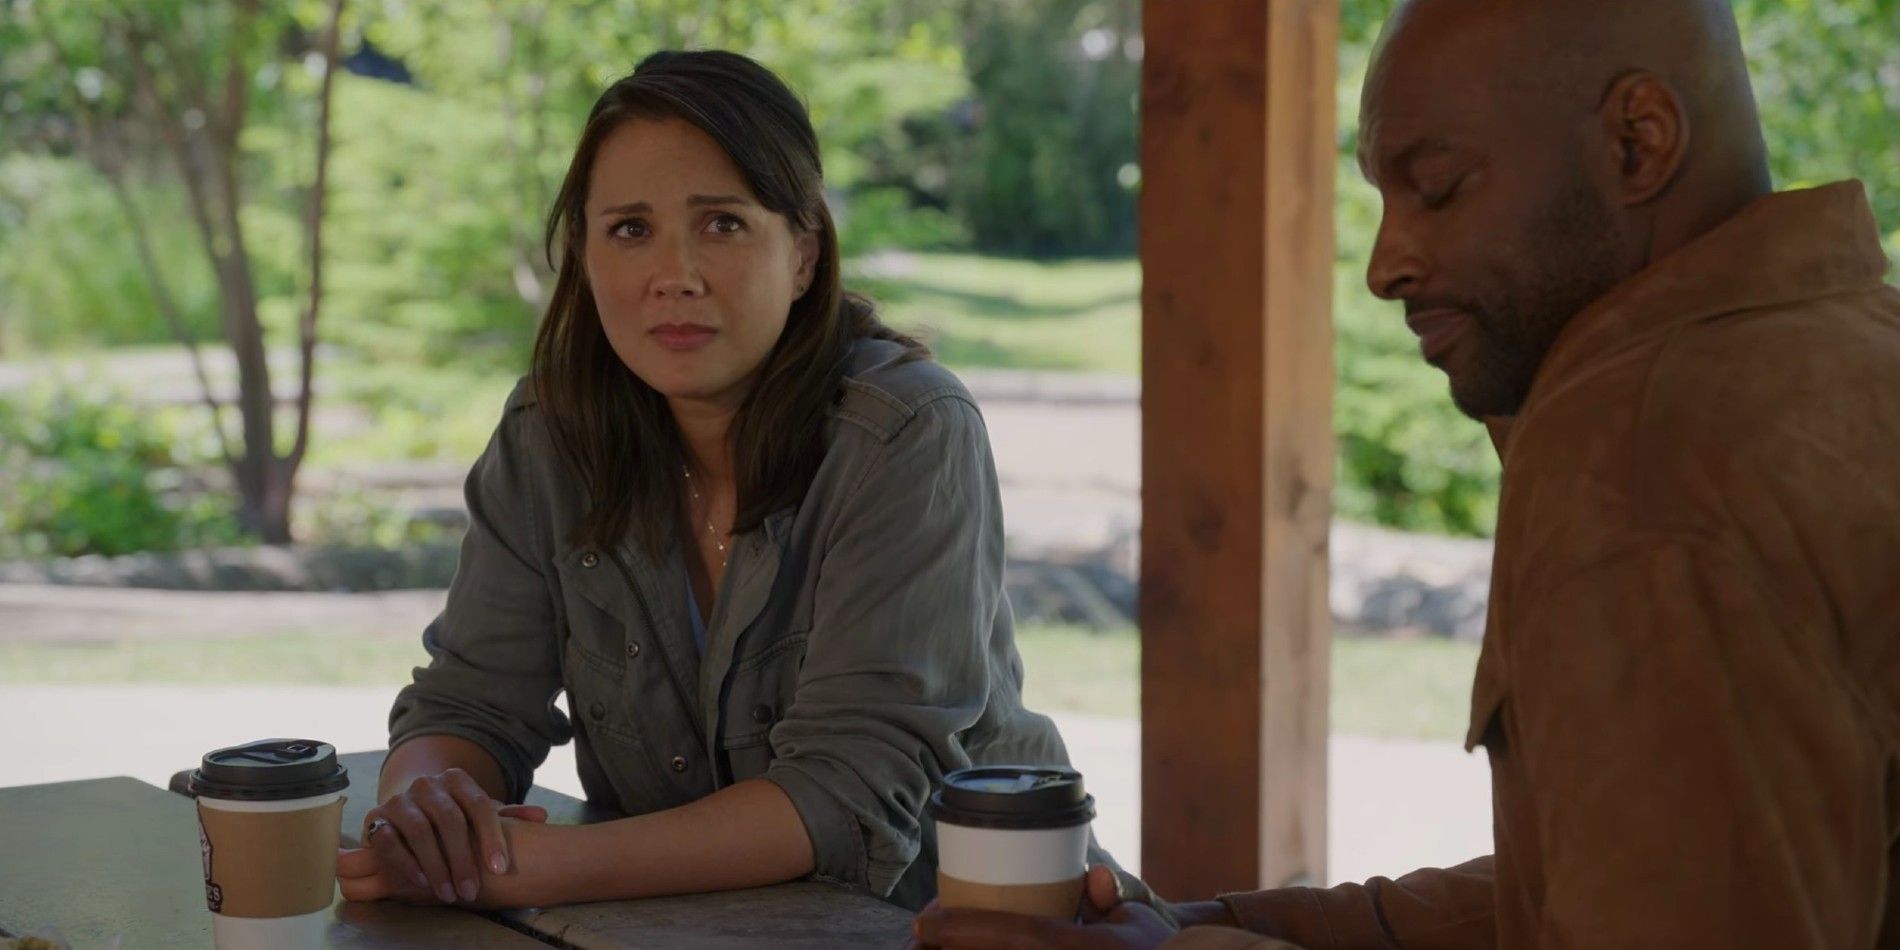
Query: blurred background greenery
pixel 982 156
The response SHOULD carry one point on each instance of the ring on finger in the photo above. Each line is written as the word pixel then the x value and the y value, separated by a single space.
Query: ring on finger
pixel 376 824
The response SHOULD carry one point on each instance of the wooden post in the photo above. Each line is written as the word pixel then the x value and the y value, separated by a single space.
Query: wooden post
pixel 1237 157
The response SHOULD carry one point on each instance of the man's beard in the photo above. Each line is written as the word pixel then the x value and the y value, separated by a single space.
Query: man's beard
pixel 1572 261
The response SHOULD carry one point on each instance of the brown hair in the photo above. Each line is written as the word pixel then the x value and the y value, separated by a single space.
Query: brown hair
pixel 613 430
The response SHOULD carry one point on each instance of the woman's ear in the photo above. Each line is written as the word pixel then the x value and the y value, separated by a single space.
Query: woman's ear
pixel 1647 127
pixel 805 242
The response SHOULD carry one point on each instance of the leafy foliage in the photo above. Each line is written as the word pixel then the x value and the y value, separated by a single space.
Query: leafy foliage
pixel 69 277
pixel 83 472
pixel 996 126
pixel 1827 77
pixel 1051 164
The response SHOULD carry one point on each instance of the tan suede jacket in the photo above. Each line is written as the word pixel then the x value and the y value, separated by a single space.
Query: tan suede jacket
pixel 1690 683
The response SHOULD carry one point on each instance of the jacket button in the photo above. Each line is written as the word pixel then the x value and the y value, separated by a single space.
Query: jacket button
pixel 633 649
pixel 762 714
pixel 598 710
pixel 679 763
pixel 590 559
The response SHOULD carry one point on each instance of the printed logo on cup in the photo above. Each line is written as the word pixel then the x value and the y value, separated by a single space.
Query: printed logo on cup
pixel 214 895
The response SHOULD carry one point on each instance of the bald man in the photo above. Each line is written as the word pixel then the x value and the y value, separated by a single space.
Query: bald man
pixel 1689 689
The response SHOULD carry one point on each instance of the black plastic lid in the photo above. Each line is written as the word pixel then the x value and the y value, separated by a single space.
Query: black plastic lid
pixel 269 770
pixel 1013 796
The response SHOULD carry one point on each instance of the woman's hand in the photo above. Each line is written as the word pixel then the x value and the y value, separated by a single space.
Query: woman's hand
pixel 363 874
pixel 441 834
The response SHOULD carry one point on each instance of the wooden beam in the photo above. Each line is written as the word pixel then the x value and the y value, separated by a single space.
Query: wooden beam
pixel 1237 157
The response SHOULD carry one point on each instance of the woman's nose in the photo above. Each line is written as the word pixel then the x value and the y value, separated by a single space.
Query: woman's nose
pixel 676 273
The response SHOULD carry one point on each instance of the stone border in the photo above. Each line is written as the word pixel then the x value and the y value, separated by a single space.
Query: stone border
pixel 1382 581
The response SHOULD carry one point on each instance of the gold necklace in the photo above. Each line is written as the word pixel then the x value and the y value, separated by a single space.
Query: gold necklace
pixel 718 539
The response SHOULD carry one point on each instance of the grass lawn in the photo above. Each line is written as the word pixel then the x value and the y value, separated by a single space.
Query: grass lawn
pixel 1381 687
pixel 988 312
pixel 976 312
pixel 309 659
pixel 1391 688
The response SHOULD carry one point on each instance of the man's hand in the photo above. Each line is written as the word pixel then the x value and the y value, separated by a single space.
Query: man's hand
pixel 1107 923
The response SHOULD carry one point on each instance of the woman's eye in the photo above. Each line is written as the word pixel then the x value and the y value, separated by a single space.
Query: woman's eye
pixel 726 224
pixel 630 228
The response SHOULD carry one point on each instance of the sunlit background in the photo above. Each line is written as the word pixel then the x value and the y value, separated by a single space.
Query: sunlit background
pixel 174 578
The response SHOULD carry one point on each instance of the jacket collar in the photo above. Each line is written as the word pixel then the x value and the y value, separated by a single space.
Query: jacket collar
pixel 1781 249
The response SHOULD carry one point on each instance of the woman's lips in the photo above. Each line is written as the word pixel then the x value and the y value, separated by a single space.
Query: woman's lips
pixel 1438 331
pixel 681 337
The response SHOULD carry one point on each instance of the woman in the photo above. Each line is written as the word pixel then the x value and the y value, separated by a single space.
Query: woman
pixel 753 534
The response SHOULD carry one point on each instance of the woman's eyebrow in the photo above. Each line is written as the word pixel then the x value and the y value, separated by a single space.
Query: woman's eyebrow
pixel 692 201
pixel 635 207
pixel 697 201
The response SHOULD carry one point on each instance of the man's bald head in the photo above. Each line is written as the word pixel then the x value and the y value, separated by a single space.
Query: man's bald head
pixel 1533 153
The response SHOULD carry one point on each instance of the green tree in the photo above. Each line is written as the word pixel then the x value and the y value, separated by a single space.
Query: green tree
pixel 187 80
pixel 1053 139
pixel 865 67
pixel 1827 77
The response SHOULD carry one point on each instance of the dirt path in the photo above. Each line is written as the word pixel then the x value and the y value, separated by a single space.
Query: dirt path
pixel 1068 457
pixel 39 613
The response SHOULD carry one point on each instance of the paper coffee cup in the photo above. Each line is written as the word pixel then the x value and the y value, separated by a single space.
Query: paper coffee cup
pixel 1013 838
pixel 268 825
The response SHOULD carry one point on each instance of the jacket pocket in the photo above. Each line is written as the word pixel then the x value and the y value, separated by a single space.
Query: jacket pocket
pixel 762 684
pixel 595 686
pixel 1490 691
pixel 1488 701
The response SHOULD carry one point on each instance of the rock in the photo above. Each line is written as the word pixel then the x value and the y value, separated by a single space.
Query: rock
pixel 252 569
pixel 1382 581
pixel 1390 581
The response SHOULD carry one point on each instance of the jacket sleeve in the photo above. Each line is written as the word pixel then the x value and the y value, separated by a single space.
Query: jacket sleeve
pixel 1430 908
pixel 1704 775
pixel 493 667
pixel 895 667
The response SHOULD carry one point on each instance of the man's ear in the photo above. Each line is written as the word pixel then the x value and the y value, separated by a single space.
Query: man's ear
pixel 1647 128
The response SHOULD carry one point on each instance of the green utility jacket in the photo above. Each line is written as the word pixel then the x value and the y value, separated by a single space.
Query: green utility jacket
pixel 861 645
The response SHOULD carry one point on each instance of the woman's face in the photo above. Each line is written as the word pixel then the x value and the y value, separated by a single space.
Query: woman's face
pixel 693 278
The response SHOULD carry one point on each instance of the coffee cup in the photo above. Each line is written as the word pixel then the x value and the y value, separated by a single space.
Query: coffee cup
pixel 1013 838
pixel 269 815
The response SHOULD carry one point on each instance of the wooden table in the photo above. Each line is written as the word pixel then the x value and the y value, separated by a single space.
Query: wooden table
pixel 117 856
pixel 797 916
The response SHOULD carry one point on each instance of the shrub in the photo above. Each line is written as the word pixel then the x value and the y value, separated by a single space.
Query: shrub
pixel 82 473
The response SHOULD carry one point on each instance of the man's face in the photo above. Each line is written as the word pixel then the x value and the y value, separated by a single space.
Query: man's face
pixel 1493 232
